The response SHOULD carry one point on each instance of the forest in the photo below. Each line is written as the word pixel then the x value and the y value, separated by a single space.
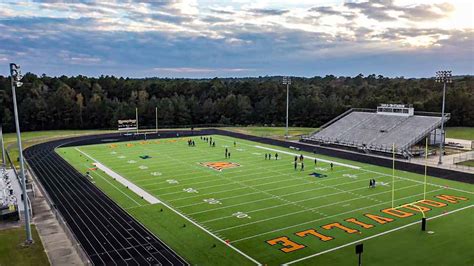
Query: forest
pixel 94 103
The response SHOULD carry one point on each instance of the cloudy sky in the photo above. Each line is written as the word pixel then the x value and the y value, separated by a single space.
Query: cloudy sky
pixel 208 38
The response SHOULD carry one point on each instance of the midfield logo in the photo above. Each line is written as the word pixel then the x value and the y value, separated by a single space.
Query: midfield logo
pixel 219 166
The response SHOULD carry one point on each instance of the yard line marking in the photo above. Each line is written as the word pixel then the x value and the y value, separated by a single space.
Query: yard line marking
pixel 298 192
pixel 322 206
pixel 139 191
pixel 275 196
pixel 376 235
pixel 339 214
pixel 276 206
pixel 299 184
pixel 310 157
pixel 420 182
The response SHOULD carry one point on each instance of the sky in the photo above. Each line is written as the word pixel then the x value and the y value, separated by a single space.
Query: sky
pixel 238 38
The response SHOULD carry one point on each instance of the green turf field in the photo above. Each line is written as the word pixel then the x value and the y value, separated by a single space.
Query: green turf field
pixel 267 211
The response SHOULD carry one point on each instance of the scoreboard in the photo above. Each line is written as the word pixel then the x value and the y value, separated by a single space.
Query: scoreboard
pixel 130 124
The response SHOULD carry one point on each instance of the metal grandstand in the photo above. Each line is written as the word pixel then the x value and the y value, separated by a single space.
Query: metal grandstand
pixel 378 130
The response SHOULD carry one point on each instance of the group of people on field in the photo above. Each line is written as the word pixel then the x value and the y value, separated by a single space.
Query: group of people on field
pixel 209 140
pixel 269 156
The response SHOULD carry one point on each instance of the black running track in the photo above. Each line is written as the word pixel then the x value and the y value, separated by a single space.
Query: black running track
pixel 107 234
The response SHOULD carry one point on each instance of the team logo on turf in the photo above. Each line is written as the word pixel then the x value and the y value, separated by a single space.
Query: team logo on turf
pixel 219 166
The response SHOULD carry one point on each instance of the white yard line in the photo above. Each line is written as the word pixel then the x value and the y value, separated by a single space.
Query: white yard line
pixel 298 192
pixel 136 189
pixel 377 235
pixel 296 212
pixel 332 216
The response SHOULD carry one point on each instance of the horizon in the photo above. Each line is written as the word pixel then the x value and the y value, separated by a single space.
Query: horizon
pixel 242 77
pixel 203 39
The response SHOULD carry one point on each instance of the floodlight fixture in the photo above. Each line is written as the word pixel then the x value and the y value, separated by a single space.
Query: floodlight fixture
pixel 445 77
pixel 287 82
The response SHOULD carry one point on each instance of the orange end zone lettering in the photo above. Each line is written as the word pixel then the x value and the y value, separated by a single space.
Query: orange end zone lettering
pixel 378 219
pixel 314 233
pixel 340 226
pixel 288 245
pixel 361 224
pixel 433 203
pixel 451 199
pixel 418 208
pixel 397 213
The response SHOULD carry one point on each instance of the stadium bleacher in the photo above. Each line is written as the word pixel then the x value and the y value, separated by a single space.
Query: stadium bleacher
pixel 8 197
pixel 378 131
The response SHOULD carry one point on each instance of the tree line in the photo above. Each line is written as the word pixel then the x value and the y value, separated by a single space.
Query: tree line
pixel 91 103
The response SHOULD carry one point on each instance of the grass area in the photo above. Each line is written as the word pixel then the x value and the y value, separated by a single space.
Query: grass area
pixel 13 253
pixel 269 210
pixel 273 132
pixel 460 133
pixel 35 137
pixel 467 163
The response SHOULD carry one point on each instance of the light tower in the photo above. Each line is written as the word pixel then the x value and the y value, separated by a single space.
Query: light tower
pixel 444 77
pixel 15 75
pixel 287 82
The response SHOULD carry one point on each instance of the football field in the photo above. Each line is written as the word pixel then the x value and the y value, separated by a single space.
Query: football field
pixel 247 208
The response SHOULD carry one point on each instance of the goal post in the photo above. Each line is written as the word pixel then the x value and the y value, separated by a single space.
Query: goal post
pixel 412 204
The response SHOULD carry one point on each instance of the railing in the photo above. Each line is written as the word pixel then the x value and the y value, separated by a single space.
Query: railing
pixel 424 133
pixel 466 156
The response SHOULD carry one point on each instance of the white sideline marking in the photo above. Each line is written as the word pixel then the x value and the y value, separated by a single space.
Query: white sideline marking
pixel 309 157
pixel 140 192
pixel 370 237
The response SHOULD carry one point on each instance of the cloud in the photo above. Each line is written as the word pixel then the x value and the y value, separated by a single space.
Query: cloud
pixel 268 12
pixel 386 10
pixel 179 38
pixel 222 11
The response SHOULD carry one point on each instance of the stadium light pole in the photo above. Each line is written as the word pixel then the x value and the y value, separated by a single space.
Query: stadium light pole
pixel 444 77
pixel 136 117
pixel 15 76
pixel 287 82
pixel 156 119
